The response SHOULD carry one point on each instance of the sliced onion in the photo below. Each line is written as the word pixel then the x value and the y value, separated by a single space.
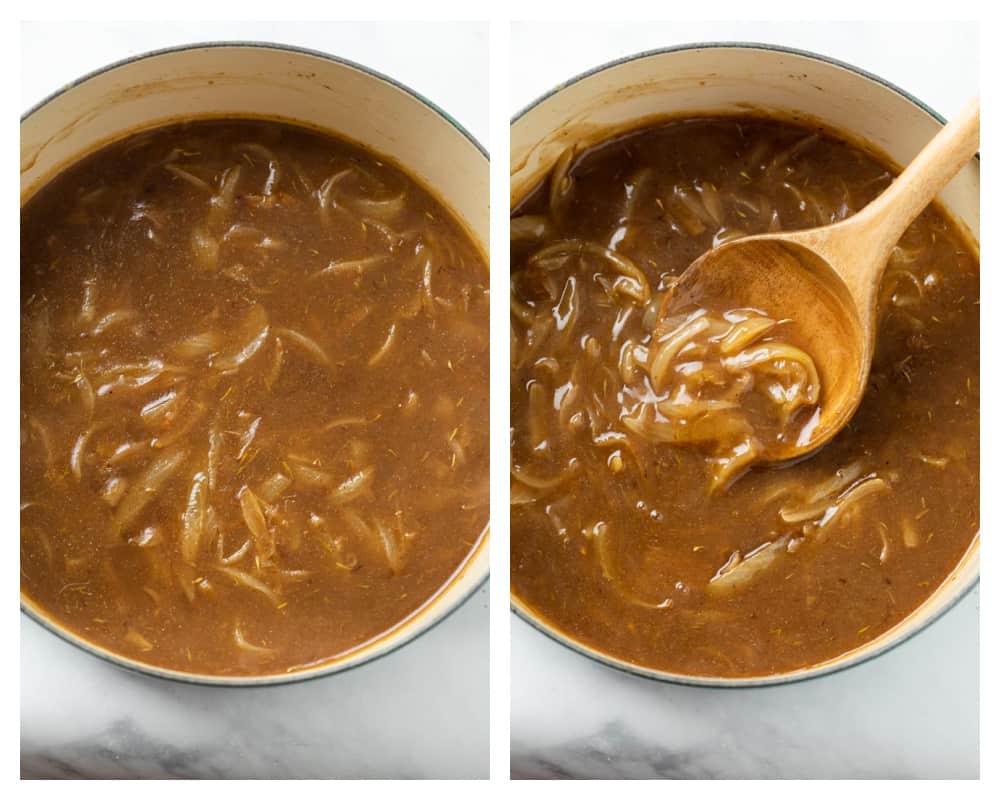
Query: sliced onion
pixel 112 319
pixel 382 209
pixel 351 266
pixel 76 456
pixel 178 432
pixel 246 579
pixel 237 554
pixel 744 333
pixel 344 422
pixel 200 345
pixel 531 228
pixel 222 201
pixel 383 351
pixel 160 411
pixel 247 437
pixel 391 545
pixel 256 522
pixel 136 639
pixel 147 486
pixel 271 490
pixel 88 307
pixel 194 517
pixel 87 396
pixel 250 336
pixel 354 486
pixel 277 361
pixel 189 178
pixel 739 572
pixel 307 345
pixel 310 476
pixel 248 647
pixel 114 490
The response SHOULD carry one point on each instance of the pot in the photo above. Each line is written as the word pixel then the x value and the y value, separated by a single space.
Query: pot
pixel 319 91
pixel 723 78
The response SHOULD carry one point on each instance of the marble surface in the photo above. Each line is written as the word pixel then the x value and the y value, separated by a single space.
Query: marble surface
pixel 913 713
pixel 422 711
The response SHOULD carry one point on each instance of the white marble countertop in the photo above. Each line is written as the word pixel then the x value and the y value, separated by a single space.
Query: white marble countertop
pixel 419 712
pixel 914 712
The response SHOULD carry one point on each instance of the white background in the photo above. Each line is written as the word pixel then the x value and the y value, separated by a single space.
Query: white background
pixel 911 713
pixel 419 712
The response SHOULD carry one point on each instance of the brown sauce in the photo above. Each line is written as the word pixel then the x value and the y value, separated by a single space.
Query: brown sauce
pixel 254 397
pixel 637 526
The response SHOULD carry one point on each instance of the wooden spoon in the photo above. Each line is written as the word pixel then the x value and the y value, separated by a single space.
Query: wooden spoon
pixel 826 279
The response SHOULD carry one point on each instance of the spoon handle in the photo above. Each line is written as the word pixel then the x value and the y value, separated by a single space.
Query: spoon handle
pixel 890 214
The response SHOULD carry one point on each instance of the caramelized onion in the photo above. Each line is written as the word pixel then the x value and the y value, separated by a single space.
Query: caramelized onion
pixel 256 522
pixel 383 351
pixel 305 344
pixel 248 647
pixel 145 488
pixel 189 178
pixel 740 571
pixel 221 203
pixel 249 336
pixel 76 457
pixel 530 228
pixel 558 251
pixel 353 486
pixel 194 517
pixel 205 249
pixel 246 579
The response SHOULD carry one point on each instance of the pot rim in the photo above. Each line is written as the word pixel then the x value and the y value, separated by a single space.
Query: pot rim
pixel 339 664
pixel 520 609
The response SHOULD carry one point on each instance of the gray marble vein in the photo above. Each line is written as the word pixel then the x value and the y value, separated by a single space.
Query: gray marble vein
pixel 421 712
pixel 913 713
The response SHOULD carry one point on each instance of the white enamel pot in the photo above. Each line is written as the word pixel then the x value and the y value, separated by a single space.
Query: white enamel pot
pixel 309 88
pixel 727 78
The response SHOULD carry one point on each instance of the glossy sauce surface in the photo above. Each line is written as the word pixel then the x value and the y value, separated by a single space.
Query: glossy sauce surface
pixel 254 397
pixel 627 535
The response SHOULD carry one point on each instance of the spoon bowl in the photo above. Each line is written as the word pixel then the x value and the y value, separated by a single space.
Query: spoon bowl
pixel 777 275
pixel 826 281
